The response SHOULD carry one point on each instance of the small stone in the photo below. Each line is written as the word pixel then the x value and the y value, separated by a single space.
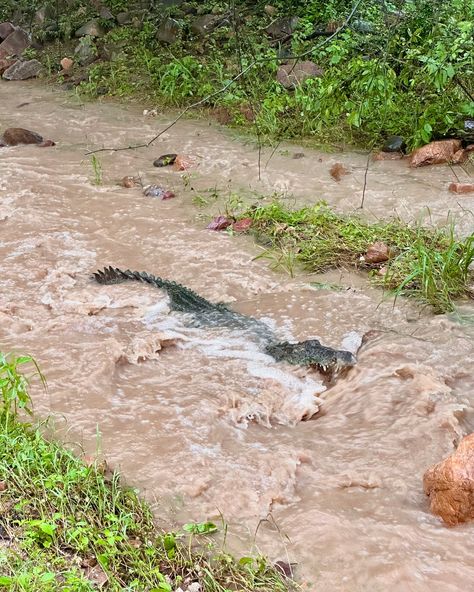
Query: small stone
pixel 394 144
pixel 337 171
pixel 219 223
pixel 270 10
pixel 450 485
pixel 242 225
pixel 165 160
pixel 66 64
pixel 92 29
pixel 15 44
pixel 461 187
pixel 377 253
pixel 129 182
pixel 183 162
pixel 23 70
pixel 298 155
pixel 292 75
pixel 3 485
pixel 123 18
pixel 106 14
pixel 5 30
pixel 158 191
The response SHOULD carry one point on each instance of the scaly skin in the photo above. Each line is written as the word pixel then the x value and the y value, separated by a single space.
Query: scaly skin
pixel 308 353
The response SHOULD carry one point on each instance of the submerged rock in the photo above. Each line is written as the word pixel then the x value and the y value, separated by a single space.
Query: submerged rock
pixel 129 182
pixel 242 225
pixel 13 136
pixel 165 160
pixel 450 485
pixel 439 152
pixel 219 223
pixel 337 171
pixel 23 70
pixel 461 187
pixel 158 191
pixel 292 75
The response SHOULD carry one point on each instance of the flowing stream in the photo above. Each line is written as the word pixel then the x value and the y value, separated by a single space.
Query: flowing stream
pixel 200 420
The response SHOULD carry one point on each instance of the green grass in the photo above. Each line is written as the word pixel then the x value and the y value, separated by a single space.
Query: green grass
pixel 428 264
pixel 68 526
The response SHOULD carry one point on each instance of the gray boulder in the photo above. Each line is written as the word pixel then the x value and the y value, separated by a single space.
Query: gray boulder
pixel 5 30
pixel 23 70
pixel 205 24
pixel 86 51
pixel 15 44
pixel 92 29
pixel 282 27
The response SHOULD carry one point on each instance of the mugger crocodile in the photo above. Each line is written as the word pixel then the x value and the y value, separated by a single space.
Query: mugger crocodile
pixel 308 353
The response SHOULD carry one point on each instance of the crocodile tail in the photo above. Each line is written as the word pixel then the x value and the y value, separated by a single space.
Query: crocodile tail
pixel 114 275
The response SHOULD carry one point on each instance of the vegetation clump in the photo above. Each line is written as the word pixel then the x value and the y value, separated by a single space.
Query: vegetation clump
pixel 66 525
pixel 403 67
pixel 428 264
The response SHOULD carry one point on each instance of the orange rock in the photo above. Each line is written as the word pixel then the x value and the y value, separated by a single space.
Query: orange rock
pixel 337 171
pixel 377 253
pixel 461 187
pixel 437 153
pixel 450 485
pixel 183 162
pixel 66 63
pixel 129 182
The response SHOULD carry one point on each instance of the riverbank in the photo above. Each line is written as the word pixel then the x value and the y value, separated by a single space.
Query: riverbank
pixel 67 524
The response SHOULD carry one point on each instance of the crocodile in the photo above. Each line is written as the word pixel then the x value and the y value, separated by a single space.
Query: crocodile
pixel 205 313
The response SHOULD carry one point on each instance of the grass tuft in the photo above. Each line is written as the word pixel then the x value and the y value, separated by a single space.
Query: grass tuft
pixel 428 264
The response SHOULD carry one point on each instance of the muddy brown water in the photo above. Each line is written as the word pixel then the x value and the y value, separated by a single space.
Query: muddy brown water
pixel 207 426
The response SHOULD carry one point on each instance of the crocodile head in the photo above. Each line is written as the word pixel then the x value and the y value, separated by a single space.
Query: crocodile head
pixel 313 353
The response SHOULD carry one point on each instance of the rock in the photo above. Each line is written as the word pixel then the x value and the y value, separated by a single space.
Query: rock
pixel 92 29
pixel 66 64
pixel 15 44
pixel 123 18
pixel 337 171
pixel 157 191
pixel 165 160
pixel 292 75
pixel 438 152
pixel 298 155
pixel 86 51
pixel 13 136
pixel 129 182
pixel 283 27
pixel 5 64
pixel 6 29
pixel 183 162
pixel 377 253
pixel 168 31
pixel 393 144
pixel 450 485
pixel 205 24
pixel 23 70
pixel 461 187
pixel 219 223
pixel 387 156
pixel 270 10
pixel 242 225
pixel 106 14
